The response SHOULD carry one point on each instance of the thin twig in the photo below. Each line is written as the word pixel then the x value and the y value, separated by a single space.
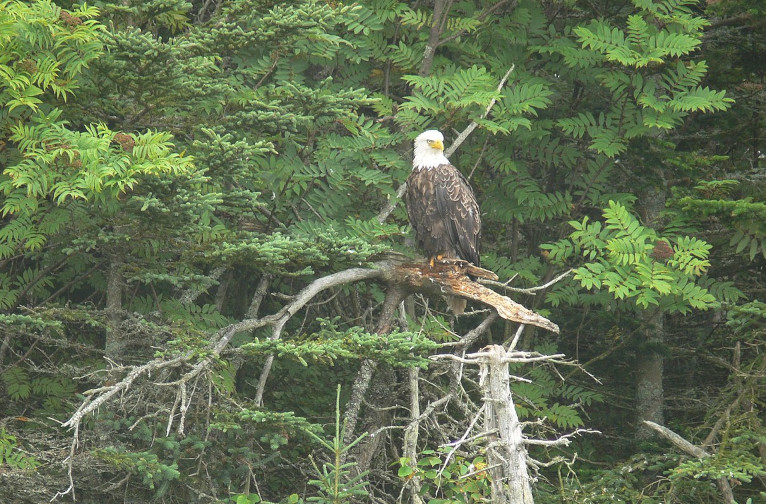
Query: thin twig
pixel 516 337
pixel 563 440
pixel 462 439
pixel 529 290
pixel 469 129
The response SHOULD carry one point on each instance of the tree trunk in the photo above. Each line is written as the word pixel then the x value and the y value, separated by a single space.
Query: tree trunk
pixel 441 11
pixel 650 370
pixel 506 454
pixel 650 361
pixel 410 443
pixel 366 449
pixel 116 342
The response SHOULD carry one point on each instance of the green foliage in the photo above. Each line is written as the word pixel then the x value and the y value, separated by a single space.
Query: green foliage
pixel 310 250
pixel 461 480
pixel 271 422
pixel 102 171
pixel 638 64
pixel 11 455
pixel 44 48
pixel 46 393
pixel 747 320
pixel 398 349
pixel 335 481
pixel 17 384
pixel 635 263
pixel 200 149
pixel 546 397
pixel 745 215
pixel 154 474
pixel 623 483
pixel 742 466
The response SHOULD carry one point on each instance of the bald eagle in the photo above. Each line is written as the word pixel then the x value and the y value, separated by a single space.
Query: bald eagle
pixel 442 208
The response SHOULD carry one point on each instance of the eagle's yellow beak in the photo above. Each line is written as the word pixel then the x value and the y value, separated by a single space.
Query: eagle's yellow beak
pixel 437 144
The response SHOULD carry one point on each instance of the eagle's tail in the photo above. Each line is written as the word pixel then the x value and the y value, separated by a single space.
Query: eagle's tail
pixel 456 304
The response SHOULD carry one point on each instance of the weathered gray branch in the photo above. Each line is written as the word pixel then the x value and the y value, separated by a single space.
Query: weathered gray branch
pixel 505 454
pixel 400 278
pixel 693 450
pixel 410 442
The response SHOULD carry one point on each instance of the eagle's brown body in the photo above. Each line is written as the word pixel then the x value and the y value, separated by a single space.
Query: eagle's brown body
pixel 444 213
pixel 441 207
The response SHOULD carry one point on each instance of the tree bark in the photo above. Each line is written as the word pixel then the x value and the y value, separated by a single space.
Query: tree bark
pixel 394 295
pixel 650 371
pixel 506 454
pixel 441 11
pixel 116 342
pixel 650 363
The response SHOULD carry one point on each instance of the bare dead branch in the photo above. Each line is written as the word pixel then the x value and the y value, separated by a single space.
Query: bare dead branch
pixel 564 440
pixel 103 394
pixel 516 337
pixel 471 336
pixel 529 290
pixel 677 441
pixel 451 277
pixel 693 450
pixel 410 441
pixel 464 438
pixel 402 278
pixel 509 357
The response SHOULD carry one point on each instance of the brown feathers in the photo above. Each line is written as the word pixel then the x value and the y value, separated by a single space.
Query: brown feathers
pixel 441 207
pixel 444 213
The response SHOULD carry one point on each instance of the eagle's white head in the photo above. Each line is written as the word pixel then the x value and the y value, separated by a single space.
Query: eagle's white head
pixel 429 150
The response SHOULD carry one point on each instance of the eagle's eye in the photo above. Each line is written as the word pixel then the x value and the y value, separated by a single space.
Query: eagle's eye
pixel 430 141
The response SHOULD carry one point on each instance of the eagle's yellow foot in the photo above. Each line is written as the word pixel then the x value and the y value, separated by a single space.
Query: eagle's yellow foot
pixel 433 260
